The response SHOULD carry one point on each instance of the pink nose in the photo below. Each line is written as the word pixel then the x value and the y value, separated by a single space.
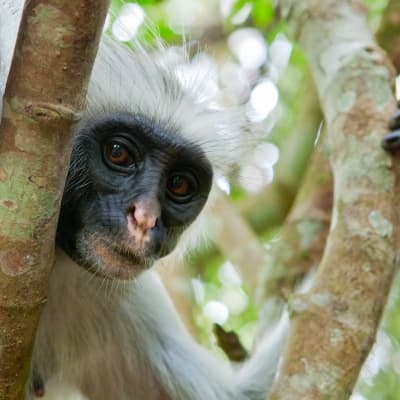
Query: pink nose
pixel 144 218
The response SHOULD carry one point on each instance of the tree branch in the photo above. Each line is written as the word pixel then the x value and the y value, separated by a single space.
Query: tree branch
pixel 334 325
pixel 45 93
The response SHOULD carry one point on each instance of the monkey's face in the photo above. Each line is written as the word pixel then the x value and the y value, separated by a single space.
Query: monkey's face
pixel 132 188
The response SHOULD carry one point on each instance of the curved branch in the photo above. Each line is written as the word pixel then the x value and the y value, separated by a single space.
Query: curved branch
pixel 334 325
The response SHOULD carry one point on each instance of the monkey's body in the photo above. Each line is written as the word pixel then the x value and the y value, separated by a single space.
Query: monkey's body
pixel 96 335
pixel 140 175
pixel 114 340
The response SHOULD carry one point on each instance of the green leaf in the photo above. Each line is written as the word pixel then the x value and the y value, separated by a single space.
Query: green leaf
pixel 263 12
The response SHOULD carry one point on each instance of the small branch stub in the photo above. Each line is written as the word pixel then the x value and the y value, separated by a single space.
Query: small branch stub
pixel 52 112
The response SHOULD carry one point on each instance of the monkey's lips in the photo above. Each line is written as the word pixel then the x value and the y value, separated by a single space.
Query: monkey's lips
pixel 118 262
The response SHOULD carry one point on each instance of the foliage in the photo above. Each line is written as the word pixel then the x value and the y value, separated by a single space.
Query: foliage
pixel 375 9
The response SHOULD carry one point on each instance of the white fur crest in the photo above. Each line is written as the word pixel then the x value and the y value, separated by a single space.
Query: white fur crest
pixel 137 81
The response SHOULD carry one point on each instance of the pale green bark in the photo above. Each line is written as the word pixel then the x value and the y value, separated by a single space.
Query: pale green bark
pixel 333 326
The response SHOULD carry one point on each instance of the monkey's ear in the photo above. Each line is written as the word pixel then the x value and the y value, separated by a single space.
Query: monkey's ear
pixel 391 141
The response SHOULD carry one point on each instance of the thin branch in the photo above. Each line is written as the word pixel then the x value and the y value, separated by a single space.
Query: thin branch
pixel 301 242
pixel 269 208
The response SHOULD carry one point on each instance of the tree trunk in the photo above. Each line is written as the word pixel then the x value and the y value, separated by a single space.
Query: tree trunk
pixel 334 325
pixel 44 96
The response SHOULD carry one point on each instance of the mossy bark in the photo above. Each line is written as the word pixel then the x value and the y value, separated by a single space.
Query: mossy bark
pixel 44 96
pixel 334 324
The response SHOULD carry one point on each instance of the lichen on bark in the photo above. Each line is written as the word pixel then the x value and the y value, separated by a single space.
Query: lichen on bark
pixel 334 324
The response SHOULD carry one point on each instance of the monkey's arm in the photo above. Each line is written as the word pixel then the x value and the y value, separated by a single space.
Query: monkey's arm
pixel 188 371
pixel 126 341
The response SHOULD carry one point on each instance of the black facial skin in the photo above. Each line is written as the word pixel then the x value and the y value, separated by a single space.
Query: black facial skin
pixel 119 164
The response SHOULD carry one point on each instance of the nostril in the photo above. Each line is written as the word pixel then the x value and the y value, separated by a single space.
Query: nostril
pixel 156 226
pixel 157 237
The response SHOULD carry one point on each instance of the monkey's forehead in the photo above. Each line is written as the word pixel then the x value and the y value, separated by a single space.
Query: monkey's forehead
pixel 134 82
pixel 124 81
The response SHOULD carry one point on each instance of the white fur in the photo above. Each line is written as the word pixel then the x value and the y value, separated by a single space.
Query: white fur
pixel 128 81
pixel 10 14
pixel 135 82
pixel 99 333
pixel 124 340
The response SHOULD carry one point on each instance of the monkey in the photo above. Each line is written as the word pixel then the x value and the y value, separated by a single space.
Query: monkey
pixel 143 162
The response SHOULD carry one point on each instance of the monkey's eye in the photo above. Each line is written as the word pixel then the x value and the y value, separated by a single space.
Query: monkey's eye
pixel 120 154
pixel 181 186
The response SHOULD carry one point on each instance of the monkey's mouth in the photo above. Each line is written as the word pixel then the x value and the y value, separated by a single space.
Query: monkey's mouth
pixel 132 258
pixel 117 261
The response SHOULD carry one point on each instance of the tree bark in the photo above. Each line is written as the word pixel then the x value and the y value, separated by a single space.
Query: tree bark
pixel 334 325
pixel 44 96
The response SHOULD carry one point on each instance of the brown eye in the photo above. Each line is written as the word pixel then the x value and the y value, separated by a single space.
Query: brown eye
pixel 120 154
pixel 178 185
pixel 181 186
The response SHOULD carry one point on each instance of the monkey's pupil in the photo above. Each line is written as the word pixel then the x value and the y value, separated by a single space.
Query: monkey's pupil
pixel 118 154
pixel 178 185
pixel 116 151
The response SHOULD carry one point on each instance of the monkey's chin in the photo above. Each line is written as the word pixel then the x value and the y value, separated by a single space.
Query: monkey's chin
pixel 116 263
pixel 120 266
